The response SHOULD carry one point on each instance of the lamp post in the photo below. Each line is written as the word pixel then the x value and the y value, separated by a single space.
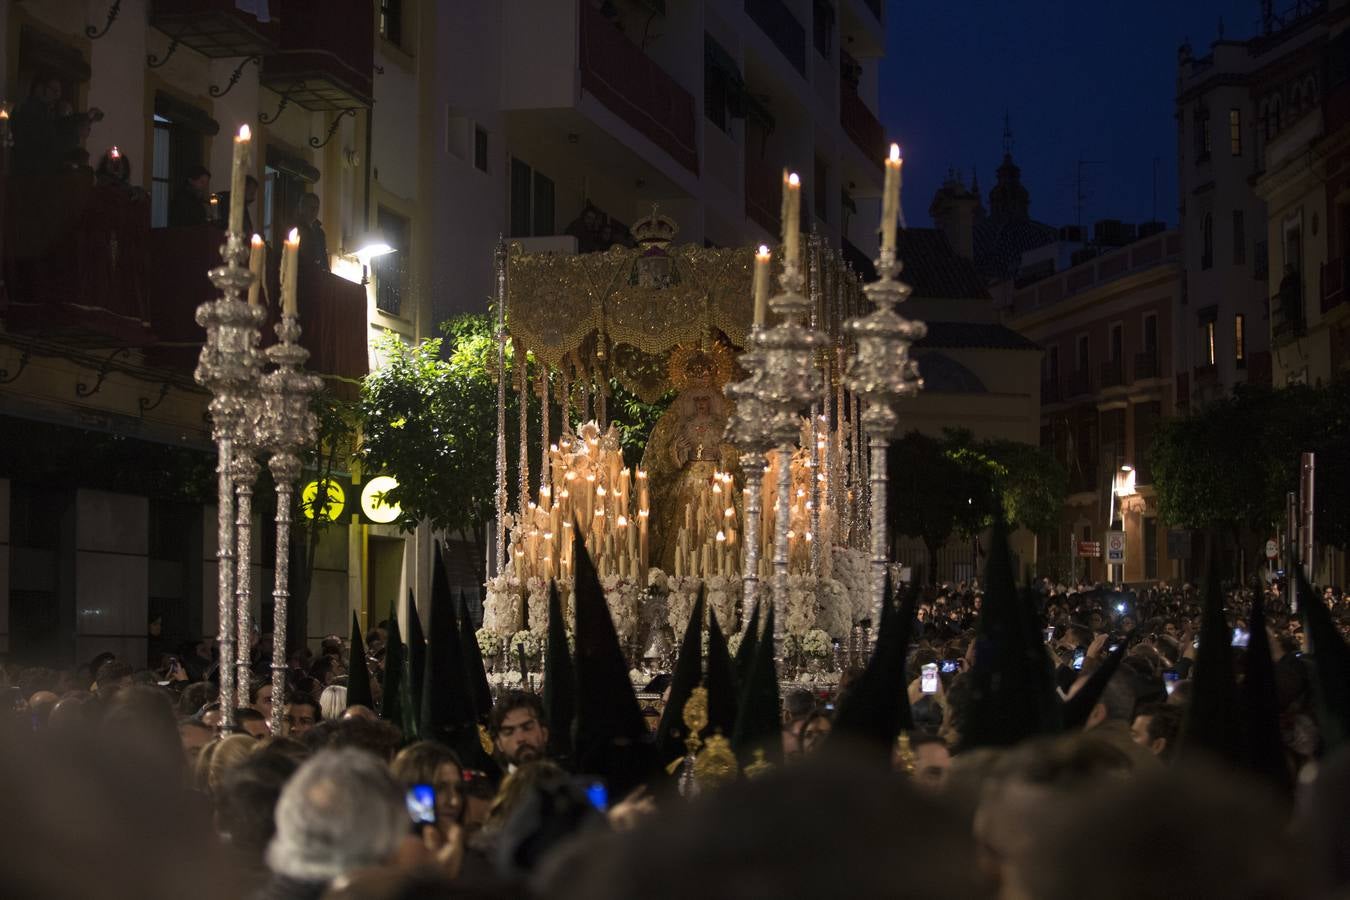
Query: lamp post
pixel 288 424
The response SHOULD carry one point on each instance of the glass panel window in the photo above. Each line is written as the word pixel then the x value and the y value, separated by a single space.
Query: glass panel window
pixel 1240 339
pixel 1235 132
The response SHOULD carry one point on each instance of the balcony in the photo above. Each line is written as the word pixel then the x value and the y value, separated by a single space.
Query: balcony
pixel 1145 365
pixel 83 268
pixel 1113 374
pixel 325 57
pixel 215 28
pixel 332 309
pixel 1050 392
pixel 1333 283
pixel 639 91
pixel 74 261
pixel 861 125
pixel 777 21
pixel 1287 321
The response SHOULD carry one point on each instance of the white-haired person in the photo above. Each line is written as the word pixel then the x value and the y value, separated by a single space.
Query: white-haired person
pixel 333 702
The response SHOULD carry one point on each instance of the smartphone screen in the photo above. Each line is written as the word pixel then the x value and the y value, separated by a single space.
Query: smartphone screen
pixel 950 666
pixel 598 794
pixel 421 801
pixel 1170 679
pixel 928 680
pixel 1240 637
pixel 1079 654
pixel 1050 634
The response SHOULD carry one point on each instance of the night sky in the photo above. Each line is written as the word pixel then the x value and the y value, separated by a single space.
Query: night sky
pixel 1095 80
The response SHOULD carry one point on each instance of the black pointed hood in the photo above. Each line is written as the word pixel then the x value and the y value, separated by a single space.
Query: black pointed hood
pixel 447 713
pixel 611 738
pixel 479 688
pixel 759 721
pixel 875 710
pixel 417 663
pixel 671 733
pixel 358 670
pixel 560 681
pixel 1330 665
pixel 1013 694
pixel 1260 705
pixel 1211 725
pixel 392 700
pixel 720 680
pixel 745 653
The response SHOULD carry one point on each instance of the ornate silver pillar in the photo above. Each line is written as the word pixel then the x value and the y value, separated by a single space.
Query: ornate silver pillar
pixel 289 425
pixel 880 373
pixel 228 367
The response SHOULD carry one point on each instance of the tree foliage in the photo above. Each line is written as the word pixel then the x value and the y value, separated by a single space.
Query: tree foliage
pixel 1229 465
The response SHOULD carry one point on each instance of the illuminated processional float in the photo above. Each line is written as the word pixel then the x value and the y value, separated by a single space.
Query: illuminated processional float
pixel 765 477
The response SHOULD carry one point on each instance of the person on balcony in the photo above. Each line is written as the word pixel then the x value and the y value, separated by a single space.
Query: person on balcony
pixel 191 203
pixel 250 195
pixel 313 242
pixel 47 129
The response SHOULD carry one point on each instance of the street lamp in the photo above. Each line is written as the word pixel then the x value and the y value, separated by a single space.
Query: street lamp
pixel 368 247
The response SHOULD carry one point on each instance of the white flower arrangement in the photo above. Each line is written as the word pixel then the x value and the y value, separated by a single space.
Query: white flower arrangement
pixel 683 594
pixel 489 642
pixel 834 612
pixel 854 572
pixel 508 678
pixel 536 601
pixel 816 643
pixel 724 596
pixel 621 595
pixel 533 642
pixel 734 644
pixel 501 607
pixel 818 678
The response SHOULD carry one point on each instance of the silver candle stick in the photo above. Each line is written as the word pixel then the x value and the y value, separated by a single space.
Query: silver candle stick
pixel 880 373
pixel 244 472
pixel 750 430
pixel 228 367
pixel 289 424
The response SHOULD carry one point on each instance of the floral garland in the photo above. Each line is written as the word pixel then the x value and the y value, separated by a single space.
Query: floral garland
pixel 501 607
pixel 724 596
pixel 621 595
pixel 834 611
pixel 854 572
pixel 814 602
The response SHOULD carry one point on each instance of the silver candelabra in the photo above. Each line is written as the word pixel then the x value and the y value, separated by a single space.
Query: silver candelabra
pixel 288 425
pixel 881 372
pixel 750 429
pixel 789 380
pixel 228 367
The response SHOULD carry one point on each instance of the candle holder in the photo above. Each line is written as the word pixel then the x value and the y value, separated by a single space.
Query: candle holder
pixel 880 373
pixel 288 425
pixel 244 473
pixel 228 367
pixel 789 381
pixel 750 429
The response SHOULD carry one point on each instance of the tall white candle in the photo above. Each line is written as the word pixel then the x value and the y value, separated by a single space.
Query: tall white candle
pixel 792 214
pixel 243 141
pixel 290 259
pixel 890 202
pixel 257 264
pixel 762 261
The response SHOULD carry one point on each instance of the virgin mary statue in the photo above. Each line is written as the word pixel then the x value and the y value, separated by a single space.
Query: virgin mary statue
pixel 687 447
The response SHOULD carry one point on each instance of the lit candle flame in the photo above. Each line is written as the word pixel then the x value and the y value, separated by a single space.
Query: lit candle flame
pixel 793 179
pixel 895 154
pixel 244 133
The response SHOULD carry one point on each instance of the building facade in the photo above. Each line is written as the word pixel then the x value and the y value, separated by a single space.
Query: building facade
pixel 1106 328
pixel 434 127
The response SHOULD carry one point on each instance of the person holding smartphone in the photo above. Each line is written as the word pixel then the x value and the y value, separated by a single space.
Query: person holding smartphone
pixel 429 764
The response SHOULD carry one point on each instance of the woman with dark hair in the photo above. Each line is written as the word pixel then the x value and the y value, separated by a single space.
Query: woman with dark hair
pixel 433 763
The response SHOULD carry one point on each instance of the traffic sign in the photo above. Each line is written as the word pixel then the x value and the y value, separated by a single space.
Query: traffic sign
pixel 1115 547
pixel 1272 549
pixel 1090 549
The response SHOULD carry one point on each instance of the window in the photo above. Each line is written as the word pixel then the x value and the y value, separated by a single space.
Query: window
pixel 723 88
pixel 1151 333
pixel 1082 348
pixel 389 270
pixel 1208 349
pixel 1260 265
pixel 391 21
pixel 480 149
pixel 1207 242
pixel 1117 342
pixel 823 21
pixel 532 202
pixel 285 180
pixel 161 183
pixel 1239 238
pixel 1052 365
pixel 177 144
pixel 819 188
pixel 1202 135
pixel 1240 340
pixel 1235 132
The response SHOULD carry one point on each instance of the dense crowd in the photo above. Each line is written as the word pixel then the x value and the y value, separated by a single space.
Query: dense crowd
pixel 123 783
